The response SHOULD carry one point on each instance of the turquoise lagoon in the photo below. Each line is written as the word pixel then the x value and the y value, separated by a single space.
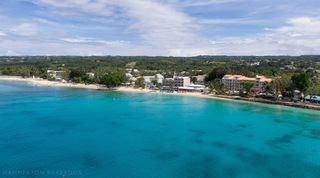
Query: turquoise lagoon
pixel 63 132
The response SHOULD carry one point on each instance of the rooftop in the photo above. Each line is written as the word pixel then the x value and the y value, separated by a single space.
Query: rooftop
pixel 242 77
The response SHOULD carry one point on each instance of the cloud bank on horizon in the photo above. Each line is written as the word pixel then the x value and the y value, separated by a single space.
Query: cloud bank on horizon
pixel 159 27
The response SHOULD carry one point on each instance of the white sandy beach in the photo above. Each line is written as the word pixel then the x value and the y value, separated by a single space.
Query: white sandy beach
pixel 41 82
pixel 225 98
pixel 46 83
pixel 193 94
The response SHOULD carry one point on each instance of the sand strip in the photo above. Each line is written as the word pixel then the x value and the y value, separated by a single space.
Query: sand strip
pixel 41 82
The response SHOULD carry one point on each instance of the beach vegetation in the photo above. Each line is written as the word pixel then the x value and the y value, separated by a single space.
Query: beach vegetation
pixel 267 87
pixel 216 73
pixel 216 87
pixel 283 86
pixel 314 87
pixel 113 79
pixel 140 82
pixel 301 81
pixel 247 87
pixel 289 73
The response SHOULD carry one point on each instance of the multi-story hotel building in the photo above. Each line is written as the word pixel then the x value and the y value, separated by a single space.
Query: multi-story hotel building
pixel 232 82
pixel 181 81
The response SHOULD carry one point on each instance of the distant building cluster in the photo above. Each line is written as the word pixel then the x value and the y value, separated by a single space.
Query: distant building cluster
pixel 181 83
pixel 233 82
pixel 56 75
pixel 177 81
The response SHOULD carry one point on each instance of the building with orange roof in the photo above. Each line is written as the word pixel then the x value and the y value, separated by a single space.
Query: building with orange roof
pixel 232 82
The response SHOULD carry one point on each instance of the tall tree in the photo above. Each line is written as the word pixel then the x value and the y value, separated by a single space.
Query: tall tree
pixel 301 81
pixel 216 73
pixel 283 84
pixel 314 87
pixel 113 79
pixel 77 72
pixel 194 79
pixel 216 86
pixel 247 86
pixel 140 82
pixel 267 87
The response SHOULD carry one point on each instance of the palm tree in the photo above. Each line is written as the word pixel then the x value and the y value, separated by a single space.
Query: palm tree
pixel 211 87
pixel 267 87
pixel 247 86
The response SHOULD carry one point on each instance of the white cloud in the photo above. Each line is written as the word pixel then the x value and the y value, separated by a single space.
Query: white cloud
pixel 157 27
pixel 161 25
pixel 2 33
pixel 300 36
pixel 209 2
pixel 26 29
pixel 87 6
pixel 239 21
pixel 149 23
pixel 302 25
pixel 11 53
pixel 93 40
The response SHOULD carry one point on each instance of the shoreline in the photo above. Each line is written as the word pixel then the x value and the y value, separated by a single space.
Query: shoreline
pixel 46 83
pixel 227 98
pixel 136 90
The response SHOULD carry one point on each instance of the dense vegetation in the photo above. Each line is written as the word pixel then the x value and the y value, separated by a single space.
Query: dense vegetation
pixel 269 66
pixel 288 72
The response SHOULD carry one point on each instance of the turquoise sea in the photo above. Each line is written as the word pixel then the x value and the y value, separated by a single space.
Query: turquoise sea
pixel 64 132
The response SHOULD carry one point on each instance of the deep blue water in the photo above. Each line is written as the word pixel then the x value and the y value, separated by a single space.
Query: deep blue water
pixel 63 132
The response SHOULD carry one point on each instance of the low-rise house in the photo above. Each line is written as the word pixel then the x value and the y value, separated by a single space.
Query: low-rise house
pixel 312 99
pixel 132 80
pixel 129 70
pixel 192 88
pixel 148 81
pixel 200 78
pixel 159 78
pixel 128 75
pixel 168 81
pixel 254 63
pixel 289 67
pixel 90 74
pixel 57 75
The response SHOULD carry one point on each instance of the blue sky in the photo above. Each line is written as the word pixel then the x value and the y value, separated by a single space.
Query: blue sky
pixel 159 27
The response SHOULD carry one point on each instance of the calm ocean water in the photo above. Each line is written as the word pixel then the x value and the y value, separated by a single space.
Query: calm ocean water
pixel 63 132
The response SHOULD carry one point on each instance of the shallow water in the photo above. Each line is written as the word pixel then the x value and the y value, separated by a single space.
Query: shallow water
pixel 56 132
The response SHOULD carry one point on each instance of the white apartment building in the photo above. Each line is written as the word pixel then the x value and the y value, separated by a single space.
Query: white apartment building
pixel 182 81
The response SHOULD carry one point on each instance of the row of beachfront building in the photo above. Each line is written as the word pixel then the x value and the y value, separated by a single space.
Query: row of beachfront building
pixel 232 82
pixel 176 82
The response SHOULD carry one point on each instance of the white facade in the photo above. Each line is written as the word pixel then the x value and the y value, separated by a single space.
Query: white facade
pixel 148 80
pixel 90 74
pixel 192 88
pixel 55 74
pixel 181 81
pixel 160 78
